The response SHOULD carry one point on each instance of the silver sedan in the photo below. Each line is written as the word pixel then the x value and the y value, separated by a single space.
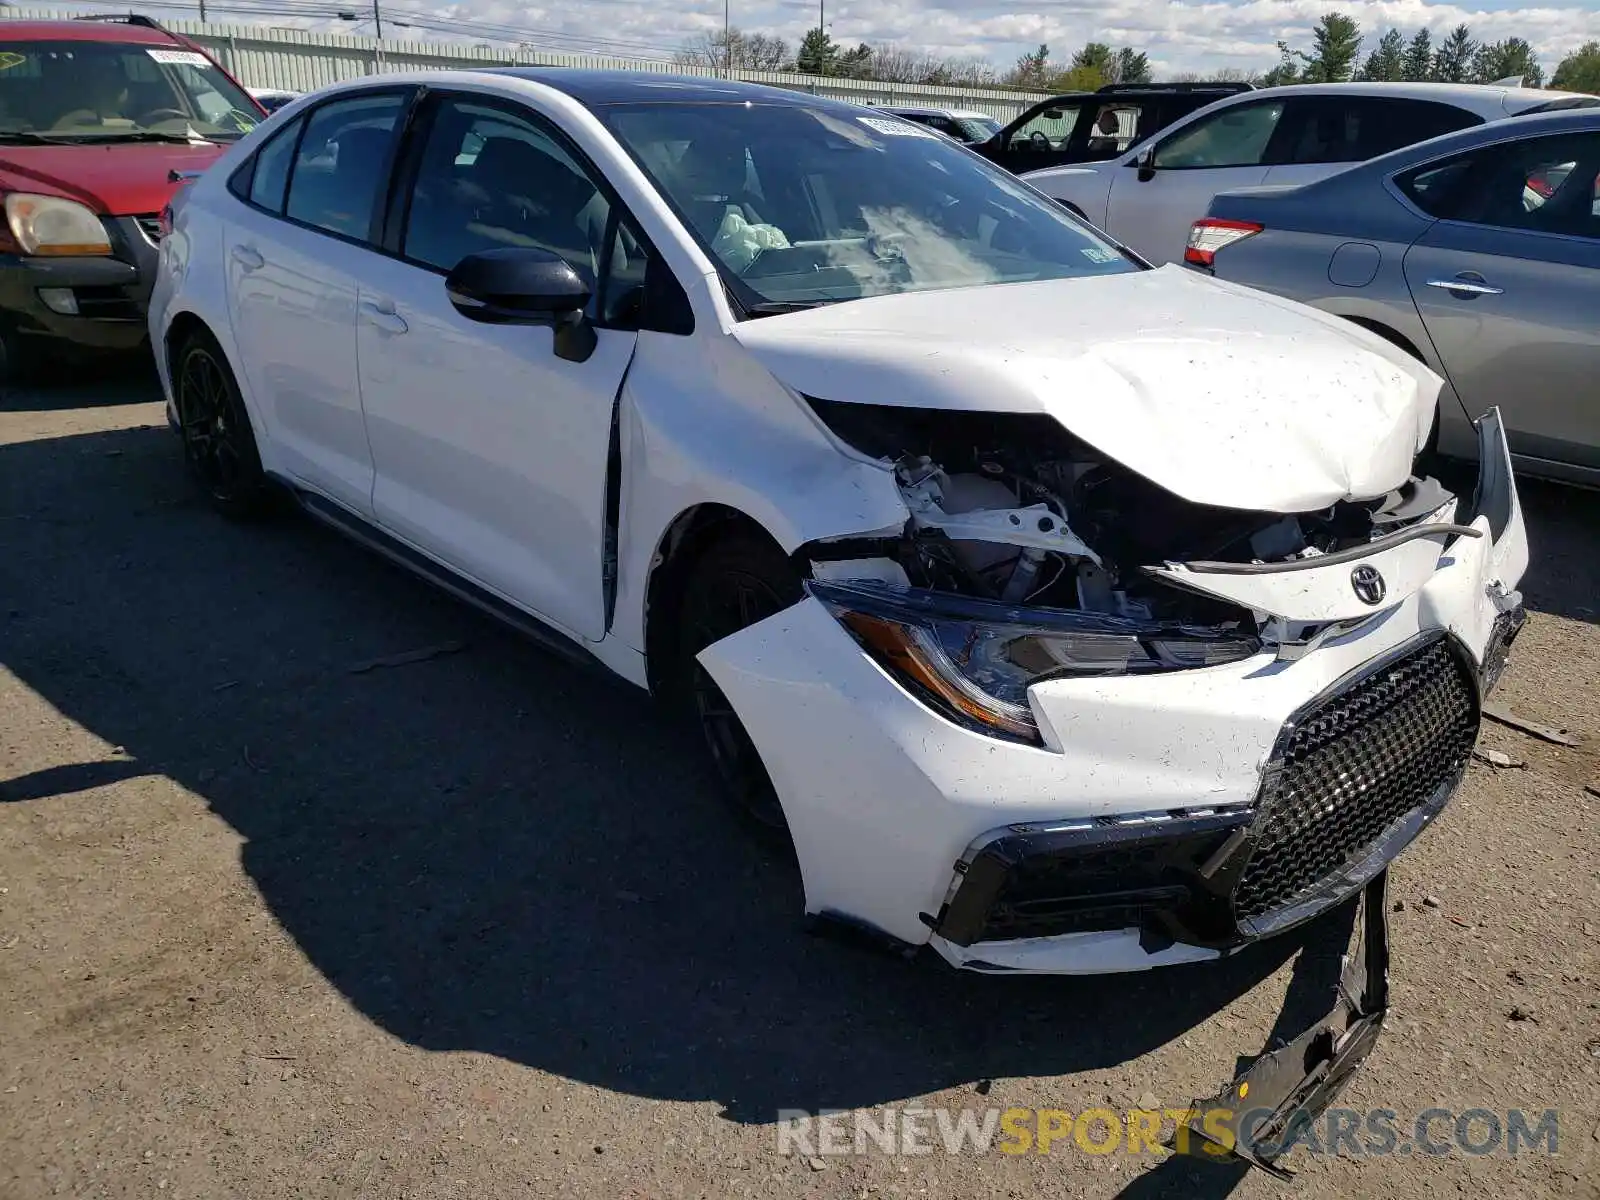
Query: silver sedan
pixel 1478 252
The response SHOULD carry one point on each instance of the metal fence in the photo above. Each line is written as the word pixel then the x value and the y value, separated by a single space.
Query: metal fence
pixel 259 56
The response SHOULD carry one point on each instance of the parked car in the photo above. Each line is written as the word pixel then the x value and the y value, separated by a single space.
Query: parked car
pixel 272 99
pixel 99 120
pixel 965 126
pixel 1477 253
pixel 1089 126
pixel 1149 197
pixel 1049 638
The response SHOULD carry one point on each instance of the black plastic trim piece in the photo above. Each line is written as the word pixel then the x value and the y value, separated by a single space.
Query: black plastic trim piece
pixel 1254 1119
pixel 1181 898
pixel 1348 554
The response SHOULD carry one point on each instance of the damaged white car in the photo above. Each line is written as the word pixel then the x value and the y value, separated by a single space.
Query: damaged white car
pixel 1065 614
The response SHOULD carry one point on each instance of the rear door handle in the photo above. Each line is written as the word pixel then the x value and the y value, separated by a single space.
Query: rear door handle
pixel 249 258
pixel 383 317
pixel 1471 285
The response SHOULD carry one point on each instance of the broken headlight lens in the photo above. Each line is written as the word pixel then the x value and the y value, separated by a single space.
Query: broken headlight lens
pixel 974 660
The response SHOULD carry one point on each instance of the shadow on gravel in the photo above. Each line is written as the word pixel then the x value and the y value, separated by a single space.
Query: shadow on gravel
pixel 105 382
pixel 1563 536
pixel 493 850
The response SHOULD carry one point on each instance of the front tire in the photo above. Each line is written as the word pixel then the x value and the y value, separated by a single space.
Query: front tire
pixel 219 446
pixel 737 581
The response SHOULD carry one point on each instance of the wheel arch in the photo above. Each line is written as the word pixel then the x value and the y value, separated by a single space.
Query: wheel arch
pixel 680 545
pixel 1389 334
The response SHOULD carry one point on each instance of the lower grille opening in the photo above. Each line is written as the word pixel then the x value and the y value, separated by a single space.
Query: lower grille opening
pixel 1351 768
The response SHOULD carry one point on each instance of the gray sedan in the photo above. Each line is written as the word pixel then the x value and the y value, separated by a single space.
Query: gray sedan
pixel 1478 252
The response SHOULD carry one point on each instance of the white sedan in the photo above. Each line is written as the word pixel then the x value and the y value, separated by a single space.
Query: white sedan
pixel 1063 614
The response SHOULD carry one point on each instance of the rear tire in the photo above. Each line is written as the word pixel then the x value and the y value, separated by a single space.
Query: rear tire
pixel 737 581
pixel 219 446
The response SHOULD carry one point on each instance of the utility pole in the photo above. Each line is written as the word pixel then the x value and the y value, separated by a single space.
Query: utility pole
pixel 377 18
pixel 202 11
pixel 727 43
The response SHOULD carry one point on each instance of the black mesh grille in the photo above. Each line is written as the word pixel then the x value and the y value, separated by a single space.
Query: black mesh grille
pixel 150 226
pixel 1352 767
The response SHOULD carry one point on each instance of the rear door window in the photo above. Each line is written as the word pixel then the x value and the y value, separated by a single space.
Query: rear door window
pixel 342 164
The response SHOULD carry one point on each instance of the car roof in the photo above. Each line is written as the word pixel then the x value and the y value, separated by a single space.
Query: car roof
pixel 85 31
pixel 1485 99
pixel 592 88
pixel 1356 180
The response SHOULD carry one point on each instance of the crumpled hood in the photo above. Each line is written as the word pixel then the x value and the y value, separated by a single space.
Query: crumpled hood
pixel 1220 394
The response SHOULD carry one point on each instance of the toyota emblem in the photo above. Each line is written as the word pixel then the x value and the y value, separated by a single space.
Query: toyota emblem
pixel 1367 584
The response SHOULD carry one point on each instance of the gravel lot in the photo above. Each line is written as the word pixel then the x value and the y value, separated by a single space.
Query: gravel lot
pixel 475 926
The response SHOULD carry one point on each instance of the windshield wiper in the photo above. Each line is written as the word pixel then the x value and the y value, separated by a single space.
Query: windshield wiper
pixel 773 308
pixel 18 137
pixel 140 135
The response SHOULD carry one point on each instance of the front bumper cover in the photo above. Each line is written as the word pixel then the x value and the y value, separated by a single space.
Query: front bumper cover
pixel 112 292
pixel 1255 1118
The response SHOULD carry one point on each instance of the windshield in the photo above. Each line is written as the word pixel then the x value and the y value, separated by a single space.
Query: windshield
pixel 105 91
pixel 801 205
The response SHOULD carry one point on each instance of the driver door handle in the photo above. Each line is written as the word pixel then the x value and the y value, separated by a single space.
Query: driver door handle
pixel 383 316
pixel 1472 286
pixel 248 257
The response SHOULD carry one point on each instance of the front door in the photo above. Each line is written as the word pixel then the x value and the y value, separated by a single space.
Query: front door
pixel 490 451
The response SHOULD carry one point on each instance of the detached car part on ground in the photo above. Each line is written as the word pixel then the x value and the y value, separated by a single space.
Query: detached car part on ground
pixel 1065 615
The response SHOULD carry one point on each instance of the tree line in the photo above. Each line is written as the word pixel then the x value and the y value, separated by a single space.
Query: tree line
pixel 1333 57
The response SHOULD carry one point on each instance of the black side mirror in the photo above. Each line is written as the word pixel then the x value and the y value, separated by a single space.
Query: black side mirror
pixel 1146 162
pixel 518 285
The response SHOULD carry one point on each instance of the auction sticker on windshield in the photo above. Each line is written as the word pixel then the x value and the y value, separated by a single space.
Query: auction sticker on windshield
pixel 183 58
pixel 898 128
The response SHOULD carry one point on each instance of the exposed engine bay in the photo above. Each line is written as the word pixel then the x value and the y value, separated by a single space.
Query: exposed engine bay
pixel 1013 508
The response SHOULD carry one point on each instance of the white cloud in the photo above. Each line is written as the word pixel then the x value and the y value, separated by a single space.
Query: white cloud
pixel 1179 35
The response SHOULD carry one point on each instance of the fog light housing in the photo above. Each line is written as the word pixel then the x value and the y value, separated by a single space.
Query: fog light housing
pixel 60 300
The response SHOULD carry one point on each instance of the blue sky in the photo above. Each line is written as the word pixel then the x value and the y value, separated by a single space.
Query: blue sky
pixel 1179 35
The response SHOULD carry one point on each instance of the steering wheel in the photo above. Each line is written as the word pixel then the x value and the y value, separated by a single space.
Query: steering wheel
pixel 1040 139
pixel 157 115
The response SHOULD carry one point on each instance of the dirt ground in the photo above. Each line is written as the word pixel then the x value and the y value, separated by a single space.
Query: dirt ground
pixel 475 926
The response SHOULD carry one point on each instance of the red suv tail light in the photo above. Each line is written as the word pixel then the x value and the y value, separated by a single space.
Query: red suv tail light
pixel 1211 234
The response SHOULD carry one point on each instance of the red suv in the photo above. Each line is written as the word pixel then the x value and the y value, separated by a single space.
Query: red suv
pixel 100 121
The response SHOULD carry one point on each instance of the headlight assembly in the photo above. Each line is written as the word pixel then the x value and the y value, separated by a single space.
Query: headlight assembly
pixel 51 225
pixel 974 660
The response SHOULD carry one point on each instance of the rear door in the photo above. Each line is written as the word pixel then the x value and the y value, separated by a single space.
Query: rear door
pixel 1323 134
pixel 296 248
pixel 1508 285
pixel 1153 207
